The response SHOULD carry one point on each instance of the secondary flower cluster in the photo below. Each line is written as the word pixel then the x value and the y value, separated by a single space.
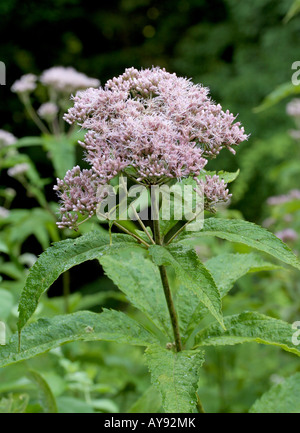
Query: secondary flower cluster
pixel 6 138
pixel 18 169
pixel 60 83
pixel 287 235
pixel 26 84
pixel 294 194
pixel 78 193
pixel 61 79
pixel 215 191
pixel 293 108
pixel 48 111
pixel 151 125
pixel 67 80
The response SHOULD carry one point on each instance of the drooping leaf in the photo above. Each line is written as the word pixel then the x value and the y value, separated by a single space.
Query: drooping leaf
pixel 244 232
pixel 137 277
pixel 58 259
pixel 192 274
pixel 46 396
pixel 45 334
pixel 281 92
pixel 149 402
pixel 176 377
pixel 281 398
pixel 225 270
pixel 249 327
pixel 62 151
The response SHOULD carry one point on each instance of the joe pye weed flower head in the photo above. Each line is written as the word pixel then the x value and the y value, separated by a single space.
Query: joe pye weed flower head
pixel 152 126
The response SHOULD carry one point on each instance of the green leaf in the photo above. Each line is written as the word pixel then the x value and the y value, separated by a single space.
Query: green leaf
pixel 104 405
pixel 281 92
pixel 56 305
pixel 139 279
pixel 62 151
pixel 243 232
pixel 174 199
pixel 28 141
pixel 6 304
pixel 281 398
pixel 249 327
pixel 45 334
pixel 73 405
pixel 3 246
pixel 176 377
pixel 149 402
pixel 192 274
pixel 47 398
pixel 27 222
pixel 227 268
pixel 294 10
pixel 58 259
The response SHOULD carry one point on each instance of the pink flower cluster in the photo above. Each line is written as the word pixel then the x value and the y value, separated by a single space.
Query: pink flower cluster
pixel 67 79
pixel 6 138
pixel 152 126
pixel 48 111
pixel 287 235
pixel 78 192
pixel 293 108
pixel 215 191
pixel 26 84
pixel 294 194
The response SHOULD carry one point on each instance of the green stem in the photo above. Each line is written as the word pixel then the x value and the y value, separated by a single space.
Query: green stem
pixel 55 127
pixel 182 228
pixel 200 408
pixel 131 234
pixel 136 214
pixel 171 307
pixel 143 225
pixel 164 277
pixel 33 191
pixel 121 228
pixel 34 116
